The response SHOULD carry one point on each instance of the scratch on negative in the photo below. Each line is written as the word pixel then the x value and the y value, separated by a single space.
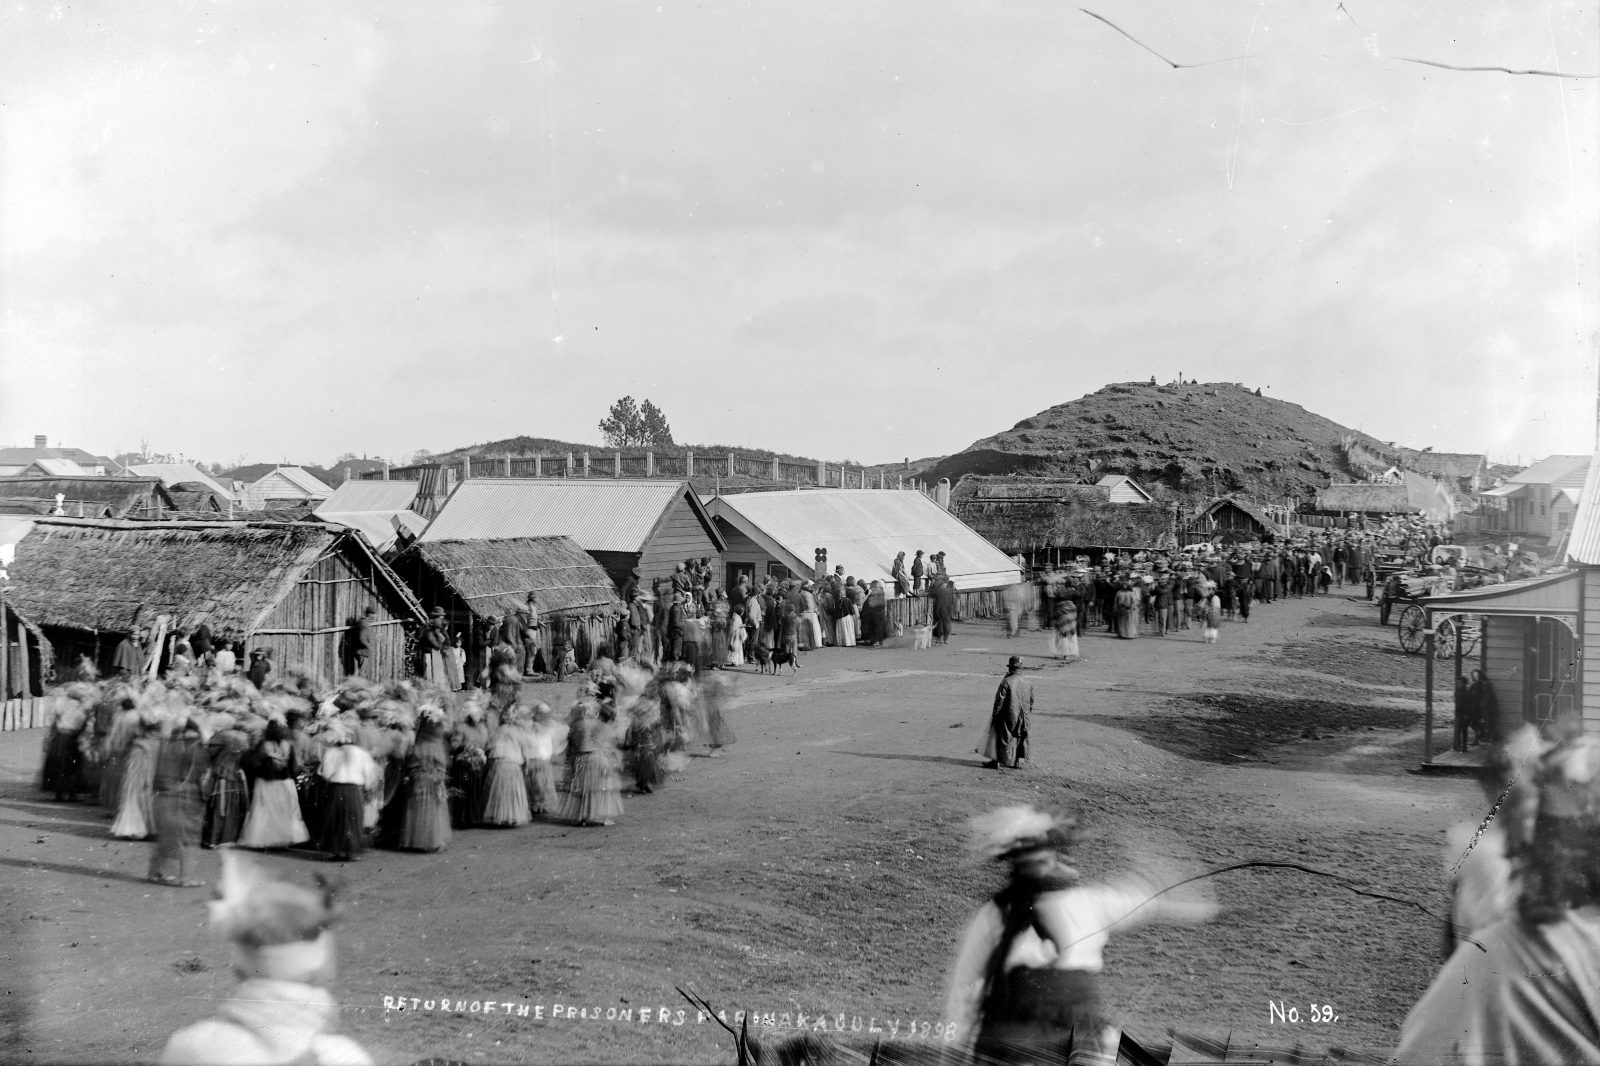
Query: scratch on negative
pixel 1500 70
pixel 1171 63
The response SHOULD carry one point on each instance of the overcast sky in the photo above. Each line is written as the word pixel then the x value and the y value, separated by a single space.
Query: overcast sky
pixel 848 229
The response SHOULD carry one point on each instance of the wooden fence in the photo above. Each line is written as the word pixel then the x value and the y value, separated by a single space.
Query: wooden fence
pixel 30 713
pixel 674 465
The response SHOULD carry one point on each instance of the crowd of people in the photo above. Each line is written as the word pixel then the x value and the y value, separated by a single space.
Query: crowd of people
pixel 204 758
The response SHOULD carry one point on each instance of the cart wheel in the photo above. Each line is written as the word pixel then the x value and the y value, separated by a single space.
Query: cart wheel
pixel 1413 624
pixel 1444 641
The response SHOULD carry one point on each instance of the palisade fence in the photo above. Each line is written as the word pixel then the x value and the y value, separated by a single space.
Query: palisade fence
pixel 648 464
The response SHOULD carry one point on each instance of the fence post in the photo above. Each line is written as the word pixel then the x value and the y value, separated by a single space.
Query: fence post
pixel 466 468
pixel 730 464
pixel 688 464
pixel 775 474
pixel 822 474
pixel 585 464
pixel 649 464
pixel 538 466
pixel 618 460
pixel 567 472
pixel 508 464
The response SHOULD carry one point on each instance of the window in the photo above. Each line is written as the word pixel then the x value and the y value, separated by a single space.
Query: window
pixel 1561 520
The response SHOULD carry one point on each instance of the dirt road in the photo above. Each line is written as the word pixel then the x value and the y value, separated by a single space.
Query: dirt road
pixel 817 874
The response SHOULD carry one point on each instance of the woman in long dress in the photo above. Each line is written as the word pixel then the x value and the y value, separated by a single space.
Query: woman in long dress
pixel 594 795
pixel 506 794
pixel 349 773
pixel 63 757
pixel 227 791
pixel 469 758
pixel 426 825
pixel 541 740
pixel 274 820
pixel 135 811
pixel 181 762
pixel 733 654
pixel 1127 611
pixel 1064 634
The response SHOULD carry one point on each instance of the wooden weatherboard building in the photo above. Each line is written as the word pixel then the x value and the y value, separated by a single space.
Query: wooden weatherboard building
pixel 1529 649
pixel 481 580
pixel 294 588
pixel 621 523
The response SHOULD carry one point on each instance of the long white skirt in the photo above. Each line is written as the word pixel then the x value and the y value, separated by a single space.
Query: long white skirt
pixel 274 820
pixel 845 631
pixel 811 629
pixel 736 646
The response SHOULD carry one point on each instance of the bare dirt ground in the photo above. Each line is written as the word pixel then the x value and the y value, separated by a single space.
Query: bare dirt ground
pixel 820 869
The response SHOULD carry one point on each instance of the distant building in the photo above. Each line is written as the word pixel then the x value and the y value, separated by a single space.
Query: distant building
pixel 1123 489
pixel 652 525
pixel 1541 500
pixel 1049 520
pixel 1232 520
pixel 1465 472
pixel 1410 494
pixel 15 461
pixel 285 487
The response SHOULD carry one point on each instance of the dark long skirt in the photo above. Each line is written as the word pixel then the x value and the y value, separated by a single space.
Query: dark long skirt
pixel 467 791
pixel 343 836
pixel 226 805
pixel 177 818
pixel 63 766
pixel 1045 1016
pixel 426 823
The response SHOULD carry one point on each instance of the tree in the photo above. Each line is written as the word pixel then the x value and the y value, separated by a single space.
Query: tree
pixel 630 424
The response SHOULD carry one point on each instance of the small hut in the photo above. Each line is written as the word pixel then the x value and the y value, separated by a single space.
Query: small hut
pixel 293 588
pixel 1232 520
pixel 478 581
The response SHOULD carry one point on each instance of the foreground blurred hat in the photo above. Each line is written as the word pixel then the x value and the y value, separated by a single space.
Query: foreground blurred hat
pixel 279 929
pixel 1008 832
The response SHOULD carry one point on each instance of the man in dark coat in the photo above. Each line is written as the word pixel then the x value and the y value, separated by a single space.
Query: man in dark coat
pixel 944 609
pixel 357 643
pixel 1007 743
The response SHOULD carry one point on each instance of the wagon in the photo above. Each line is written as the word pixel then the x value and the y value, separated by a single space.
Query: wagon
pixel 1412 624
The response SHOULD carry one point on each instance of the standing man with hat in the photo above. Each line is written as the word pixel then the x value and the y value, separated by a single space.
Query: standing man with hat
pixel 1007 742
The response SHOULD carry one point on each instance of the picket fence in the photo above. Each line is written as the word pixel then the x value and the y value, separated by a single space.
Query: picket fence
pixel 32 712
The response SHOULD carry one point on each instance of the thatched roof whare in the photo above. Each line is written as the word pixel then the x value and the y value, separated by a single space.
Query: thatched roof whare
pixel 95 576
pixel 1018 514
pixel 95 497
pixel 493 576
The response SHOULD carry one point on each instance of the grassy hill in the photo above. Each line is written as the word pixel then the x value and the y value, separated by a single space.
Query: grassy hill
pixel 1188 439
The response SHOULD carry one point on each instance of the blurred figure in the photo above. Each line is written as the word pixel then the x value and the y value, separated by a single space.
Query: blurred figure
pixel 178 806
pixel 283 956
pixel 1025 987
pixel 1531 993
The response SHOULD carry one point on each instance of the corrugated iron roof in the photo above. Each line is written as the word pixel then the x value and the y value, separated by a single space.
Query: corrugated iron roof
pixel 377 526
pixel 863 530
pixel 1583 546
pixel 610 515
pixel 355 496
pixel 1553 470
pixel 181 473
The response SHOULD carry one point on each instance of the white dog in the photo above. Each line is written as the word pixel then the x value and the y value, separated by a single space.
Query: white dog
pixel 922 637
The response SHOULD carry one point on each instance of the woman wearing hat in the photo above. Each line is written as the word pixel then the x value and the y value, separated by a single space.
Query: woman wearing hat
pixel 1025 987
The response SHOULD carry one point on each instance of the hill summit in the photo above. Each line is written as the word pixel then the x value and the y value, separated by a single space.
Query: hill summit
pixel 1191 438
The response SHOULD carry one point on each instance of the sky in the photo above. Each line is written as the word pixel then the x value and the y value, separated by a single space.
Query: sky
pixel 854 231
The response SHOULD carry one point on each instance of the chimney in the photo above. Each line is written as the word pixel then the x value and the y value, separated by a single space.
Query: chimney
pixel 40 441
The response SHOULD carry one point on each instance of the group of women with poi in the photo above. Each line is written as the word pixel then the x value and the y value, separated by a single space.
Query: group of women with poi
pixel 396 765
